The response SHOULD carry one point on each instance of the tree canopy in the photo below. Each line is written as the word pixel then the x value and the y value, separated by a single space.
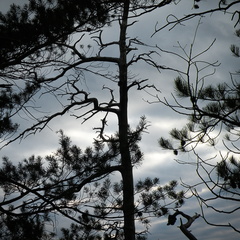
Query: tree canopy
pixel 40 25
pixel 26 32
pixel 63 47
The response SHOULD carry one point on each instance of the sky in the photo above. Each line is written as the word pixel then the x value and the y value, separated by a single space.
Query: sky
pixel 158 163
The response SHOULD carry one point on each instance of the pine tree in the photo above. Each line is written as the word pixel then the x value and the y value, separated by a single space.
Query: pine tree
pixel 67 48
pixel 213 119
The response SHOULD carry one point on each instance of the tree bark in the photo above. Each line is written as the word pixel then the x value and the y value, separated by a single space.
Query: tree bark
pixel 184 227
pixel 127 173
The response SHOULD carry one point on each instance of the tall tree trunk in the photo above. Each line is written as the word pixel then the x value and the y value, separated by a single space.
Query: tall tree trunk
pixel 127 174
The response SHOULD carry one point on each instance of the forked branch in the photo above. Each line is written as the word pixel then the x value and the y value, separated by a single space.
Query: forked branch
pixel 184 227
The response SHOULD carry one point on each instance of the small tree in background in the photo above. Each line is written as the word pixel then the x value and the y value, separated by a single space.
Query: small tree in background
pixel 214 121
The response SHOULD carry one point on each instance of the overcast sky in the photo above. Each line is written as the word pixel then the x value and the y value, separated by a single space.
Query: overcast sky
pixel 158 163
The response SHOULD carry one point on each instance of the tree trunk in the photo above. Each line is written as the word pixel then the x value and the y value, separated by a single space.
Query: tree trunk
pixel 127 174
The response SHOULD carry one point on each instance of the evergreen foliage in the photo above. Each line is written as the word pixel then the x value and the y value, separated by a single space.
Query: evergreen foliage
pixel 25 33
pixel 44 54
pixel 213 119
pixel 77 184
pixel 41 24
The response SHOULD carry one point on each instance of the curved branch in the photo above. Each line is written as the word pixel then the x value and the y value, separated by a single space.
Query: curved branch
pixel 193 15
pixel 184 227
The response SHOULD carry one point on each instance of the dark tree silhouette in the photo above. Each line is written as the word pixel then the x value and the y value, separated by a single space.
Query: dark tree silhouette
pixel 183 227
pixel 78 185
pixel 28 31
pixel 214 121
pixel 54 62
pixel 23 228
